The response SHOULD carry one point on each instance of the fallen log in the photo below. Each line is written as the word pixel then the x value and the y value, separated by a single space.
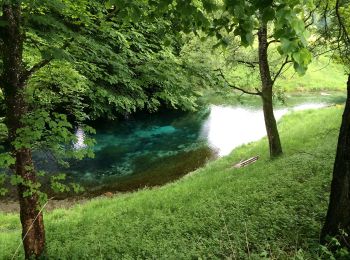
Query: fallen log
pixel 245 163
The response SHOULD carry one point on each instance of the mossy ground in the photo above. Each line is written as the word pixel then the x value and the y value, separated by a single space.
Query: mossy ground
pixel 273 208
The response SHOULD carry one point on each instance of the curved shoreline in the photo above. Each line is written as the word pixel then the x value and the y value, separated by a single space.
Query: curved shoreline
pixel 12 206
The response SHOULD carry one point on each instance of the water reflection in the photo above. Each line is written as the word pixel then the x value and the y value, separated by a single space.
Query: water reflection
pixel 230 127
pixel 80 135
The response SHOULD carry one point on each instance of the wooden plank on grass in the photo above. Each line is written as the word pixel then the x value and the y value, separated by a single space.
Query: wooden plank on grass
pixel 247 162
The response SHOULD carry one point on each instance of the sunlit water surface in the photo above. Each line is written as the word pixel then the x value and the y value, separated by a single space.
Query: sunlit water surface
pixel 229 127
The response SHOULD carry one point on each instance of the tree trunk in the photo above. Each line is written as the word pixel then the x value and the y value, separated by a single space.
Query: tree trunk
pixel 338 215
pixel 266 95
pixel 13 85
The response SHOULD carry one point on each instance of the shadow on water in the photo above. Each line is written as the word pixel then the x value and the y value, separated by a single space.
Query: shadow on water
pixel 157 173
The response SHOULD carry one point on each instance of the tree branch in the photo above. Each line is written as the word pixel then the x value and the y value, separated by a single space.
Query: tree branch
pixel 340 21
pixel 258 93
pixel 272 41
pixel 28 73
pixel 343 35
pixel 311 16
pixel 41 64
pixel 286 61
pixel 113 12
pixel 251 64
pixel 35 68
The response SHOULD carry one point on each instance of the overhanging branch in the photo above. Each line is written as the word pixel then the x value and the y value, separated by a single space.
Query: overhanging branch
pixel 258 93
pixel 340 21
pixel 272 41
pixel 41 64
pixel 28 73
pixel 251 64
pixel 35 68
pixel 279 72
pixel 343 34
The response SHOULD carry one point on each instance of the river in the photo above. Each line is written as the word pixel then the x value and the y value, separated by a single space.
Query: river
pixel 153 149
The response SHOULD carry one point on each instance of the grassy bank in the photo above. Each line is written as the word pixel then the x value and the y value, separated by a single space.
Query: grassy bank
pixel 289 99
pixel 323 74
pixel 270 209
pixel 324 81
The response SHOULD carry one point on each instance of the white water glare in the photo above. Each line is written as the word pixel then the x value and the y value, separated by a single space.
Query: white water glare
pixel 230 127
pixel 80 135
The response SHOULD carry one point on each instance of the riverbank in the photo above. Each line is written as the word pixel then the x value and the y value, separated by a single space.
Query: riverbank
pixel 223 128
pixel 152 150
pixel 285 100
pixel 270 209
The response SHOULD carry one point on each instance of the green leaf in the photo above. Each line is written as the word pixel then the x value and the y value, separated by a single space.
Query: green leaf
pixel 302 57
pixel 77 188
pixel 16 179
pixel 3 191
pixel 301 70
pixel 287 46
pixel 268 14
pixel 6 160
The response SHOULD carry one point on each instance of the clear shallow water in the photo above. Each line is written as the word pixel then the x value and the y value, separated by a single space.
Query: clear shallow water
pixel 149 150
pixel 145 150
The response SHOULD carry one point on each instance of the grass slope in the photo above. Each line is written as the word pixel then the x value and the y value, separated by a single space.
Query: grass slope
pixel 323 74
pixel 270 209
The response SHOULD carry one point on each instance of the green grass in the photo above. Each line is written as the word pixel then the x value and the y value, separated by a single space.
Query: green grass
pixel 288 99
pixel 324 81
pixel 322 75
pixel 271 208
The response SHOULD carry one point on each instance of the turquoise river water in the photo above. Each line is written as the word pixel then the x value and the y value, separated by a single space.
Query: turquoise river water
pixel 152 149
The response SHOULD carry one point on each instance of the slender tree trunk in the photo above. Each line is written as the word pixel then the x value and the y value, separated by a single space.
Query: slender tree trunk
pixel 338 215
pixel 13 69
pixel 266 94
